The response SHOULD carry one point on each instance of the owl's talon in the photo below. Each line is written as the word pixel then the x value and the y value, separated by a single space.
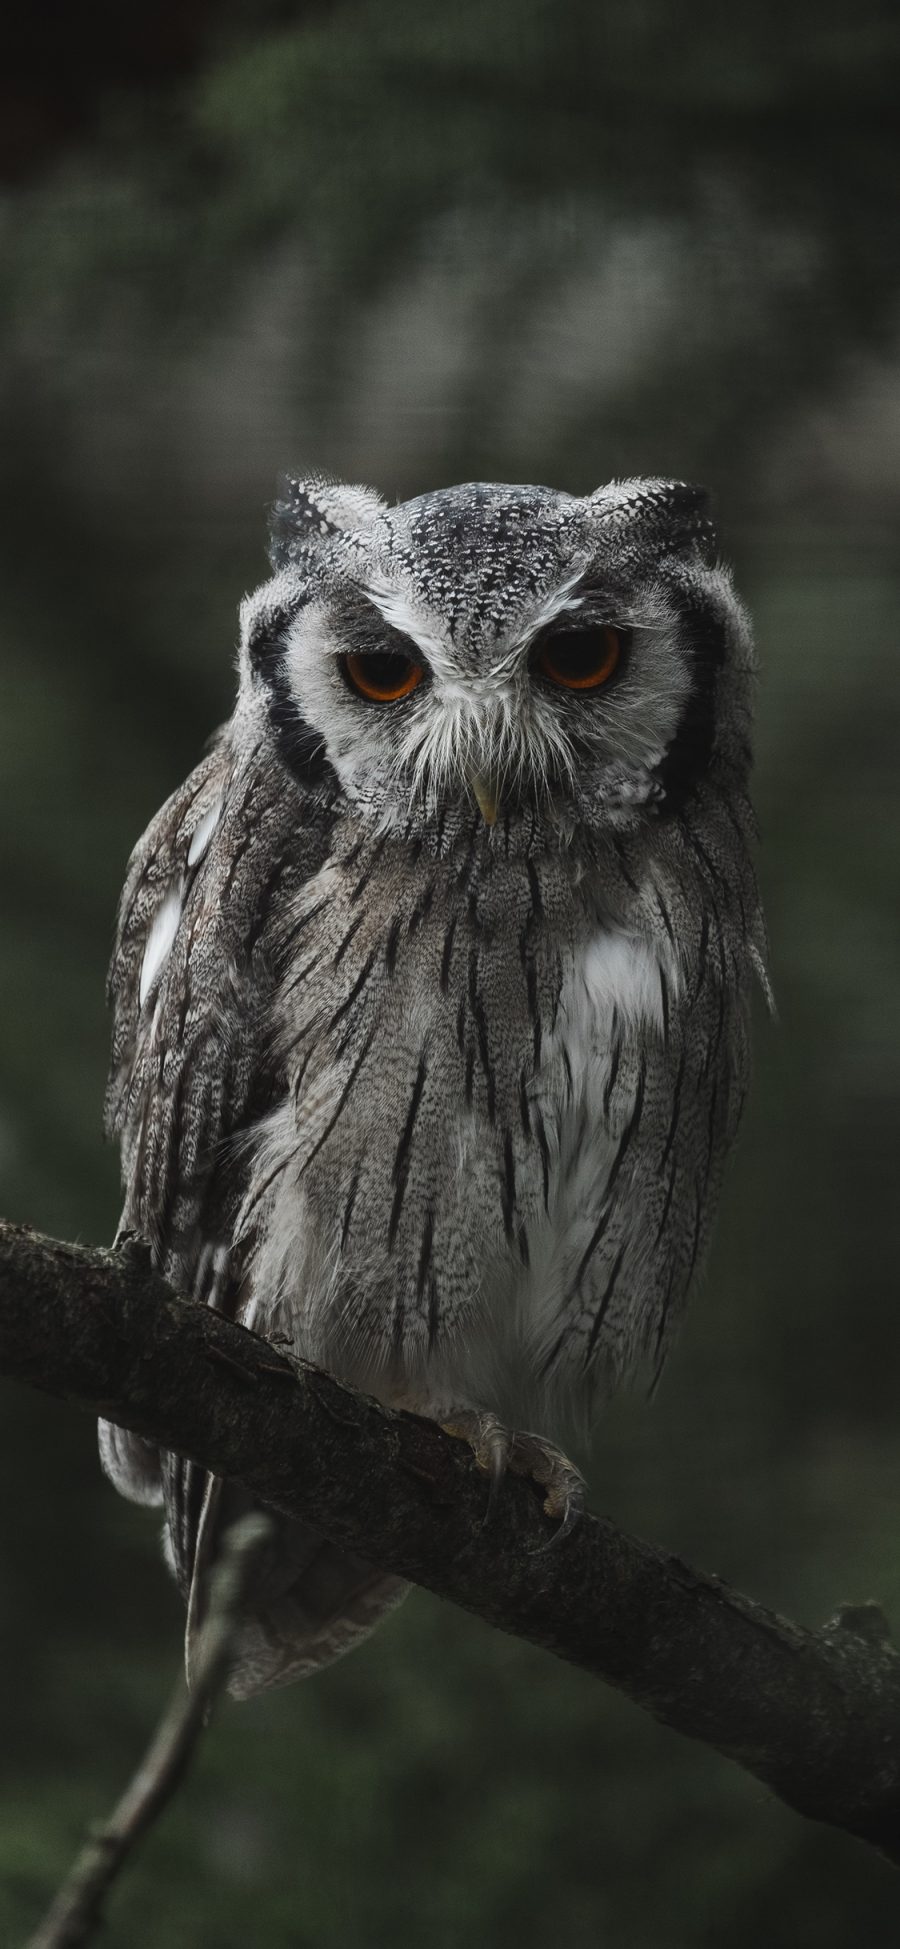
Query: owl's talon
pixel 565 1487
pixel 499 1461
pixel 491 1444
pixel 571 1517
pixel 495 1450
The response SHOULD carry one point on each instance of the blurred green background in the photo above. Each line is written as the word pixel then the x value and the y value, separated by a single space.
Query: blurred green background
pixel 509 240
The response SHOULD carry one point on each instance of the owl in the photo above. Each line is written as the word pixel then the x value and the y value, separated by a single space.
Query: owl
pixel 431 988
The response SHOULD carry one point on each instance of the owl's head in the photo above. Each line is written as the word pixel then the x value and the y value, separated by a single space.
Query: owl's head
pixel 559 663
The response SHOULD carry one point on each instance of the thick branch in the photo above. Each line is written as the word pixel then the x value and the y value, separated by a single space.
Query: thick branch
pixel 815 1715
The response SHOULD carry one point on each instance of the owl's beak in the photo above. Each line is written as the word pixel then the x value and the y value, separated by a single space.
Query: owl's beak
pixel 486 795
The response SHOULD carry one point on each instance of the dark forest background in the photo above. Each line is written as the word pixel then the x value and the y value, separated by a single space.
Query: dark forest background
pixel 509 239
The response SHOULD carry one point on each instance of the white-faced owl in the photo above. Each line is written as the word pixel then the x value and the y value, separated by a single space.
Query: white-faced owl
pixel 431 984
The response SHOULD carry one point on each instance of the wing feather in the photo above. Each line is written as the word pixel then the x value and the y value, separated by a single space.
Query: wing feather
pixel 192 987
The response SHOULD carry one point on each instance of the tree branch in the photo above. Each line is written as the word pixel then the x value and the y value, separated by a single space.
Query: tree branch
pixel 77 1911
pixel 813 1714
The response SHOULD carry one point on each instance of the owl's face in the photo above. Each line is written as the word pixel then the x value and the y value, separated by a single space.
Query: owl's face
pixel 570 663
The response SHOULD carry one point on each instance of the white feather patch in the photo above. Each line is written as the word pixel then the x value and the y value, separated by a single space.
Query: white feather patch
pixel 614 974
pixel 203 832
pixel 621 973
pixel 159 939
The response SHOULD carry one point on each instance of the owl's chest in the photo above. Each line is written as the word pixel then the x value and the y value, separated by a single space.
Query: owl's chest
pixel 462 1063
pixel 468 1036
pixel 610 1027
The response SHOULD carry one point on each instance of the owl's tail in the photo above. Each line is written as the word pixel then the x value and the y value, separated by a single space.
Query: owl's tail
pixel 311 1601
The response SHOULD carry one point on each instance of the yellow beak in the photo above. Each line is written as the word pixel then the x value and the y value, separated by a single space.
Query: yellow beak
pixel 486 797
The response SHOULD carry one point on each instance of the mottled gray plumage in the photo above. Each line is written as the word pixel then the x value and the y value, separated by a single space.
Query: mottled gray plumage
pixel 445 1103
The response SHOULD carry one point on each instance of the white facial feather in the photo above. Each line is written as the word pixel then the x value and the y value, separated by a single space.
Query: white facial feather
pixel 400 614
pixel 560 602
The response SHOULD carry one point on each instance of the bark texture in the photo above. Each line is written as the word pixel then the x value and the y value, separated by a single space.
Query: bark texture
pixel 813 1714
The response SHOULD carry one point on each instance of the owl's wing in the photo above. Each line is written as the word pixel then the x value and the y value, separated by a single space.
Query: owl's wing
pixel 193 985
pixel 150 909
pixel 188 991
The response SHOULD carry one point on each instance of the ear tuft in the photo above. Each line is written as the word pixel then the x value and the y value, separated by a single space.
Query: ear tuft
pixel 672 513
pixel 309 512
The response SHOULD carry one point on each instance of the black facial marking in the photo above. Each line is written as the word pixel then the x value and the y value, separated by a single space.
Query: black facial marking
pixel 265 641
pixel 687 760
pixel 300 748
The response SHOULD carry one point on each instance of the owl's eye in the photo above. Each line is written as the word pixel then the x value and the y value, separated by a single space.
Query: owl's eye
pixel 381 675
pixel 580 659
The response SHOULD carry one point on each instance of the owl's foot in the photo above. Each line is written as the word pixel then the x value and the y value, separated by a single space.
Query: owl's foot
pixel 496 1448
pixel 491 1444
pixel 563 1483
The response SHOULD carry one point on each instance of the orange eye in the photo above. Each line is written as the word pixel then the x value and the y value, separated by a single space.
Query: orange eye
pixel 580 659
pixel 381 675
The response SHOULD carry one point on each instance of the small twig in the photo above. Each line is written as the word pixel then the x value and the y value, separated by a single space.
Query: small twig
pixel 77 1910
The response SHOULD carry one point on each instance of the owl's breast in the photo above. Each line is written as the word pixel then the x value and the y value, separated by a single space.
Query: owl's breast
pixel 460 1052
